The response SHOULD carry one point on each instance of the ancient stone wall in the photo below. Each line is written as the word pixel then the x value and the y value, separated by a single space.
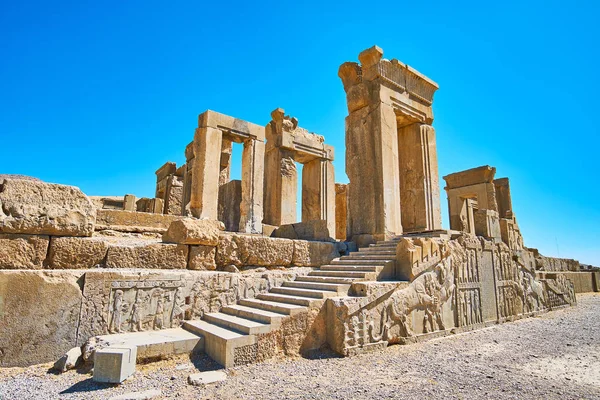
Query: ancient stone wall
pixel 463 283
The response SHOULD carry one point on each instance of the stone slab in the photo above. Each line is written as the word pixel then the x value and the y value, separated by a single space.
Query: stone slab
pixel 205 378
pixel 133 221
pixel 147 254
pixel 41 208
pixel 313 254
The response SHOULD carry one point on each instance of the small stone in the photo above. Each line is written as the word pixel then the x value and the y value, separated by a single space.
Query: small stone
pixel 204 378
pixel 69 360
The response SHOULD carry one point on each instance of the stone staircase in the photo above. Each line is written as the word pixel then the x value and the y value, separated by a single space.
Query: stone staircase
pixel 230 335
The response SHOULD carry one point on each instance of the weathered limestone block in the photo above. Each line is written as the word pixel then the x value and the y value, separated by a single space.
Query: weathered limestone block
pixel 39 315
pixel 147 254
pixel 22 251
pixel 313 254
pixel 247 250
pixel 76 253
pixel 309 230
pixel 194 231
pixel 131 221
pixel 415 256
pixel 202 258
pixel 41 208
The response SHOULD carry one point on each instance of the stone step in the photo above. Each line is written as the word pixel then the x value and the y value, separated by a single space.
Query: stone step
pixel 255 314
pixel 376 250
pixel 335 287
pixel 292 291
pixel 152 344
pixel 325 279
pixel 273 306
pixel 341 274
pixel 339 261
pixel 373 257
pixel 219 343
pixel 363 268
pixel 284 298
pixel 381 246
pixel 233 322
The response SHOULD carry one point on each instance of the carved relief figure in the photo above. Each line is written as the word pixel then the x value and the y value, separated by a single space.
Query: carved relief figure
pixel 117 309
pixel 159 317
pixel 137 318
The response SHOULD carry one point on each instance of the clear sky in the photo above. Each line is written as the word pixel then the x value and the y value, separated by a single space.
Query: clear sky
pixel 100 94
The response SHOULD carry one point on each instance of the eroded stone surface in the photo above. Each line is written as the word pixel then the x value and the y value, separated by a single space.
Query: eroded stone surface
pixel 313 254
pixel 132 221
pixel 151 255
pixel 22 251
pixel 35 207
pixel 245 250
pixel 202 258
pixel 76 253
pixel 39 315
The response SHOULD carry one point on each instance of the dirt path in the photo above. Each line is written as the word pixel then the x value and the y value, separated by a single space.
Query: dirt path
pixel 555 356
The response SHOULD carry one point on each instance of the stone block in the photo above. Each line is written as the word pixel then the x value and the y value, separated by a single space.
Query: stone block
pixel 204 378
pixel 313 254
pixel 75 253
pixel 194 231
pixel 251 250
pixel 114 364
pixel 268 230
pixel 41 208
pixel 69 360
pixel 202 258
pixel 487 224
pixel 147 254
pixel 341 210
pixel 309 230
pixel 131 221
pixel 22 251
pixel 39 315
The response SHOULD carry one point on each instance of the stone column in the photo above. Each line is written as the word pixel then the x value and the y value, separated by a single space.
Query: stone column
pixel 419 182
pixel 205 176
pixel 503 198
pixel 280 187
pixel 253 170
pixel 341 210
pixel 318 193
pixel 371 162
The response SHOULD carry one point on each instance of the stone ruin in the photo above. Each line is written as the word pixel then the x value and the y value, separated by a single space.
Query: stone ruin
pixel 227 267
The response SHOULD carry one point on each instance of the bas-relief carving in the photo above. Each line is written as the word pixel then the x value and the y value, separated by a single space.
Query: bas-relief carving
pixel 118 304
pixel 400 314
pixel 451 293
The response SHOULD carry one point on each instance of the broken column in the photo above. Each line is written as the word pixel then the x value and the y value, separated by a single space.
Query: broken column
pixel 287 144
pixel 391 158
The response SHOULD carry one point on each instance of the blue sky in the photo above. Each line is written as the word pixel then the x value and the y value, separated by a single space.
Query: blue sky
pixel 101 94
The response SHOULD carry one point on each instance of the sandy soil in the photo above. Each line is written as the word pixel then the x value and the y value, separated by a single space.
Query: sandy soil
pixel 554 356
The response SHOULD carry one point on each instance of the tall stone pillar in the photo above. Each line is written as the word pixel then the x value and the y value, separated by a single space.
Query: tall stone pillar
pixel 251 207
pixel 389 117
pixel 318 193
pixel 205 176
pixel 280 187
pixel 371 154
pixel 419 182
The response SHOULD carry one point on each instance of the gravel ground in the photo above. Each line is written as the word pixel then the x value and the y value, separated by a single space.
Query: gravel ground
pixel 554 356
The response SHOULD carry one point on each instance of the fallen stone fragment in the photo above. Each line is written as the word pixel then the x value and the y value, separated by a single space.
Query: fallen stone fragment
pixel 204 378
pixel 194 231
pixel 145 395
pixel 69 360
